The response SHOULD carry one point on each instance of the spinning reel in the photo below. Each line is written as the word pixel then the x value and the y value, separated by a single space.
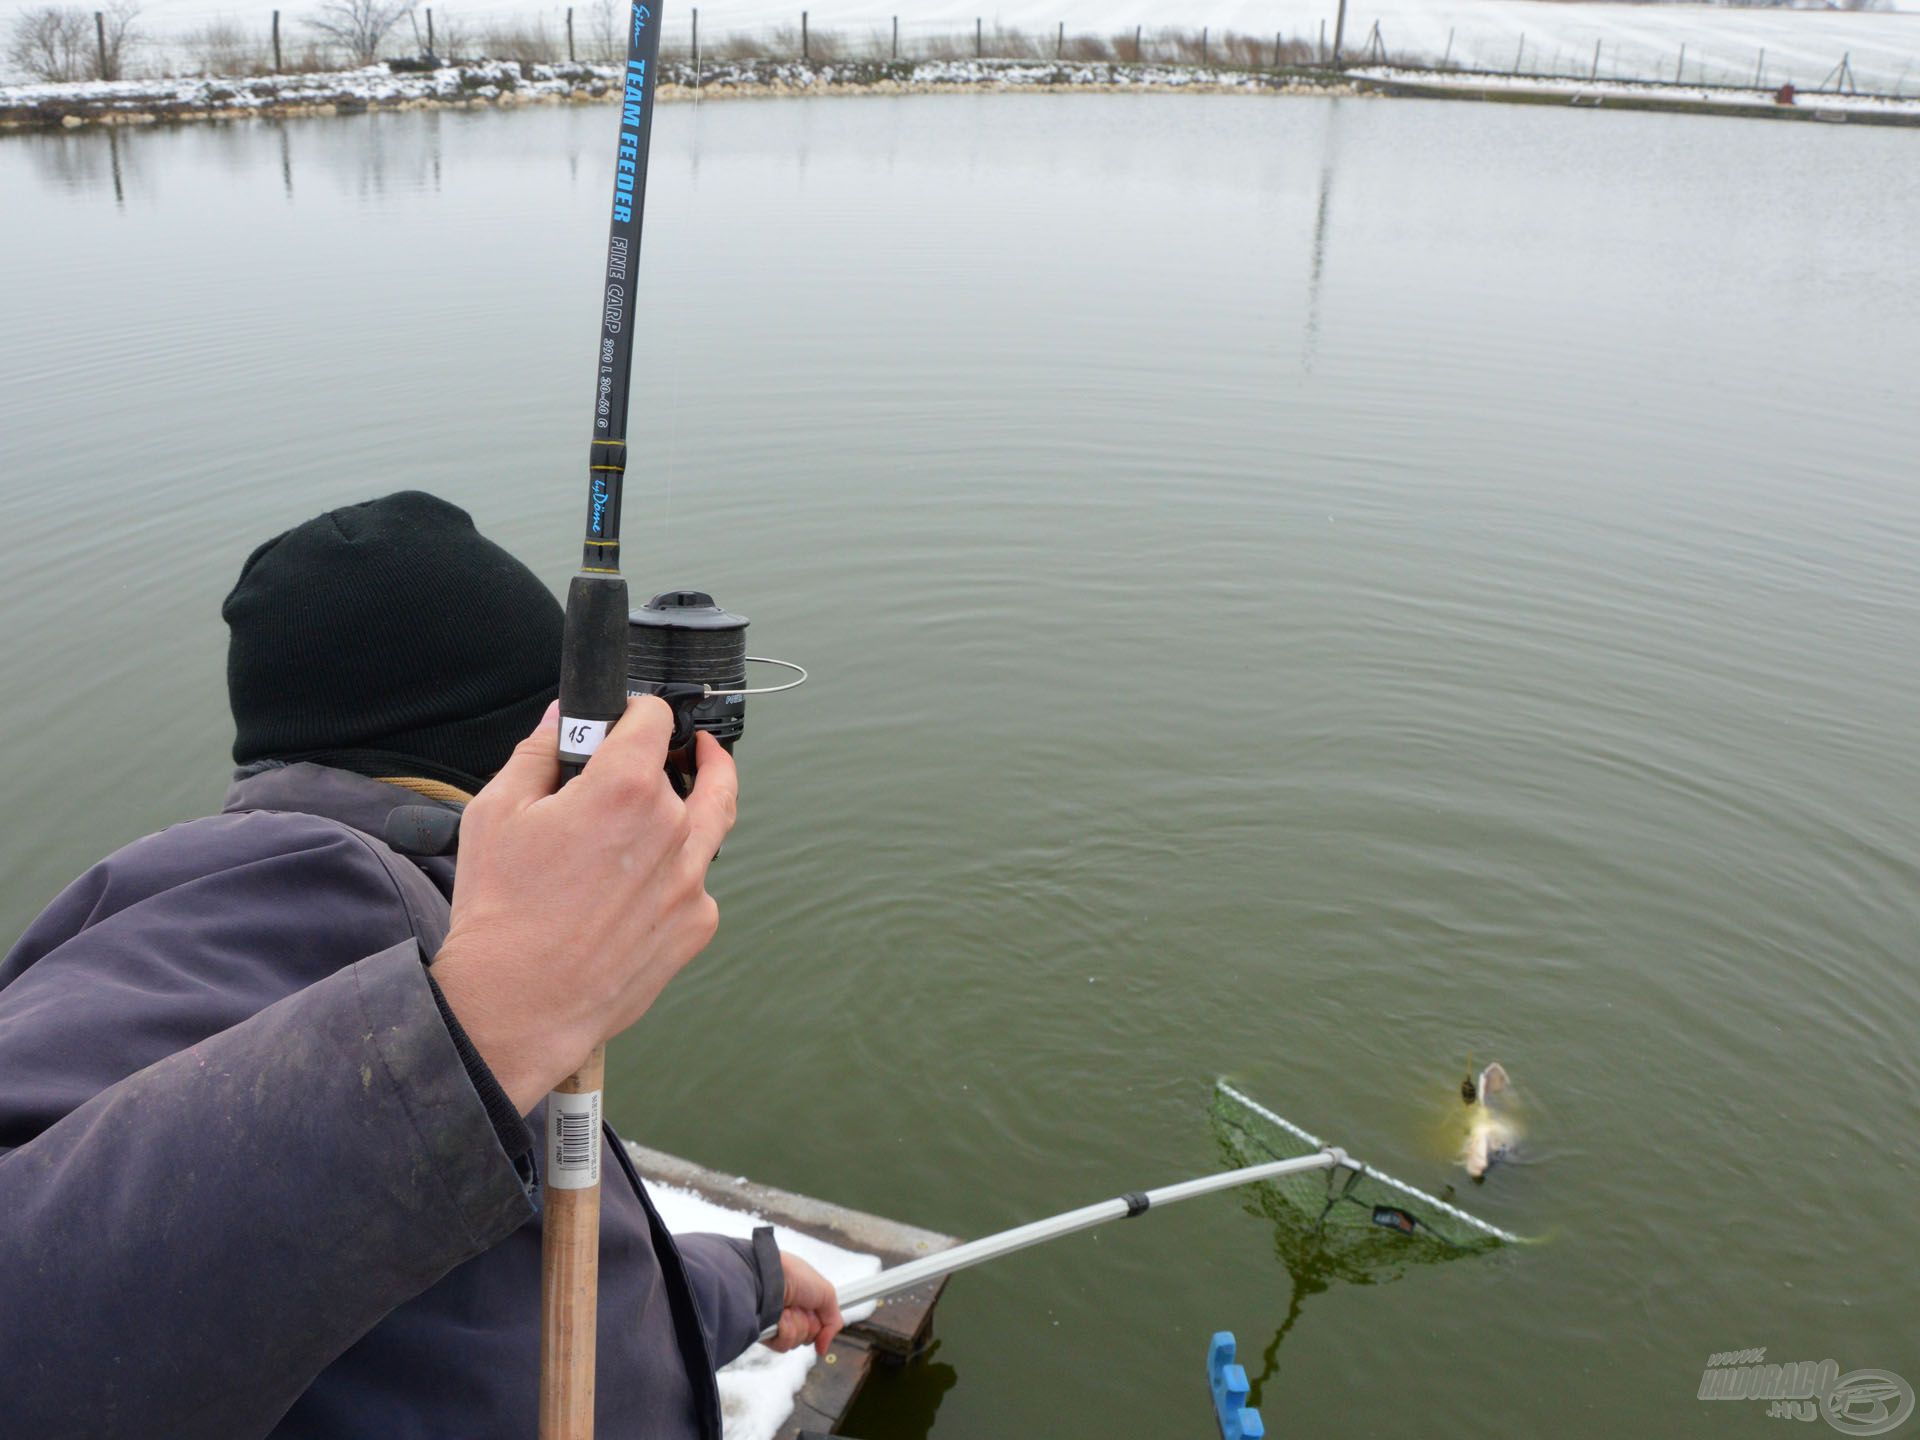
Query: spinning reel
pixel 684 648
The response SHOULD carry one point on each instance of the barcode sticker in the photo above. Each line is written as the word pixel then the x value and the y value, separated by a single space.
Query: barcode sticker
pixel 581 737
pixel 573 1140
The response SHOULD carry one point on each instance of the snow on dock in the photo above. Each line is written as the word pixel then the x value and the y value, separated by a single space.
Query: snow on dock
pixel 765 1396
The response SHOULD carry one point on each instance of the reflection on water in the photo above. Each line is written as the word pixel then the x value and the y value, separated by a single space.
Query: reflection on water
pixel 902 1401
pixel 1321 205
pixel 108 160
pixel 1525 674
pixel 97 160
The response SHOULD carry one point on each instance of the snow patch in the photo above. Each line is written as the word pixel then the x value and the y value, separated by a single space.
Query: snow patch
pixel 757 1390
pixel 373 85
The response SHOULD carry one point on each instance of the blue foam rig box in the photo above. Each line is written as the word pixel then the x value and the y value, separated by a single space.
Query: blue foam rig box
pixel 1229 1382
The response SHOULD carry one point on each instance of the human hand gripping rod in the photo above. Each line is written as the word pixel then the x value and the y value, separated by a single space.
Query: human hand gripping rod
pixel 593 694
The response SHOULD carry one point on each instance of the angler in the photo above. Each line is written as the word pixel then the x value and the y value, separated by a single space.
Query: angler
pixel 273 1077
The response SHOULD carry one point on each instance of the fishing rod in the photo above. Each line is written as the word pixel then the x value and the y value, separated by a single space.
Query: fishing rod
pixel 593 695
pixel 680 646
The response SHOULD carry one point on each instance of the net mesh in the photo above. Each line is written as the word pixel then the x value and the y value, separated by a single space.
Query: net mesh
pixel 1351 1222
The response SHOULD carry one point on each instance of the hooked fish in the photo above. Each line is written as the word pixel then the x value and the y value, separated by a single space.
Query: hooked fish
pixel 1492 1128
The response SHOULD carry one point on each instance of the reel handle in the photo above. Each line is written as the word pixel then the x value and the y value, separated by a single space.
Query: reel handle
pixel 683 698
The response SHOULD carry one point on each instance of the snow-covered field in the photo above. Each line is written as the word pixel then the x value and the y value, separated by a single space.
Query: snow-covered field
pixel 757 1390
pixel 1723 45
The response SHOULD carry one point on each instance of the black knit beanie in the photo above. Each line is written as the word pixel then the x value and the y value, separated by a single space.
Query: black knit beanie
pixel 386 632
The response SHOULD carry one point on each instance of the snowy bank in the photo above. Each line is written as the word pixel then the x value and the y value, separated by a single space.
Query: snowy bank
pixel 1638 95
pixel 487 82
pixel 502 83
pixel 480 84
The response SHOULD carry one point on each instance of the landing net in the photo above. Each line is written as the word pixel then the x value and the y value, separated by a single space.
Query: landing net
pixel 1354 1220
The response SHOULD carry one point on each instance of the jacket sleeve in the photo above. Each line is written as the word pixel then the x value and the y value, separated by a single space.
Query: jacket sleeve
pixel 199 1211
pixel 738 1286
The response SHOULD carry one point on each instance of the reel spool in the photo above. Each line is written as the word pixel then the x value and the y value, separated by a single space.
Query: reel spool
pixel 684 648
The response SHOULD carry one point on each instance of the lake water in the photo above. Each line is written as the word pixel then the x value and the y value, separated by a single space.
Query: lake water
pixel 1306 590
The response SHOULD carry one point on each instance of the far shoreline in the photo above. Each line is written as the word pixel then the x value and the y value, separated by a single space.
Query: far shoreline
pixel 492 84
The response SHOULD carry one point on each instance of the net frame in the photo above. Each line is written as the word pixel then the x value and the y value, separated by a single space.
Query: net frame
pixel 1361 1170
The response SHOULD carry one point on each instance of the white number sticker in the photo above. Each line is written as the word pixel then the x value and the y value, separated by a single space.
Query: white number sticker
pixel 581 737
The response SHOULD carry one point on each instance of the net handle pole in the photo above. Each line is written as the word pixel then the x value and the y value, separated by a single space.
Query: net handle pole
pixel 1038 1232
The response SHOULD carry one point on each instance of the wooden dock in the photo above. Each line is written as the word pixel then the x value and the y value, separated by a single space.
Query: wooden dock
pixel 898 1330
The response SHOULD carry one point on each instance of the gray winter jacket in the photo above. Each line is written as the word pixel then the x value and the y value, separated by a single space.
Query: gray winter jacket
pixel 249 1187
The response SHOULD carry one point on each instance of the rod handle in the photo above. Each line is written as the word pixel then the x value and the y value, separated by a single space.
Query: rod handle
pixel 593 666
pixel 570 1252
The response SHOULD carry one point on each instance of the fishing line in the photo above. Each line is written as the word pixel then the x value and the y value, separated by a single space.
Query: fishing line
pixel 689 228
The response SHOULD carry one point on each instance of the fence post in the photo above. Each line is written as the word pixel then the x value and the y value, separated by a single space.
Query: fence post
pixel 1339 31
pixel 277 68
pixel 100 34
pixel 1681 68
pixel 570 59
pixel 1060 41
pixel 430 49
pixel 1759 66
pixel 1276 49
pixel 1594 73
pixel 1449 55
pixel 1520 52
pixel 803 36
pixel 1203 44
pixel 696 47
pixel 979 43
pixel 1136 44
pixel 896 37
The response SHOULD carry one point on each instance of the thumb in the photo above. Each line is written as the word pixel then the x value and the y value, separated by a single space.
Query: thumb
pixel 533 770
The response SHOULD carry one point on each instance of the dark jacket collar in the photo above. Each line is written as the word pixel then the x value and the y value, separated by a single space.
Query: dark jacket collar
pixel 355 800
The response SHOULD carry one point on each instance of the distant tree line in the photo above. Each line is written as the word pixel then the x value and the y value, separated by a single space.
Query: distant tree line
pixel 63 43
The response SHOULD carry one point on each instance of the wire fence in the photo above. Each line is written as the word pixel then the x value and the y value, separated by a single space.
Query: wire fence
pixel 1709 66
pixel 295 42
